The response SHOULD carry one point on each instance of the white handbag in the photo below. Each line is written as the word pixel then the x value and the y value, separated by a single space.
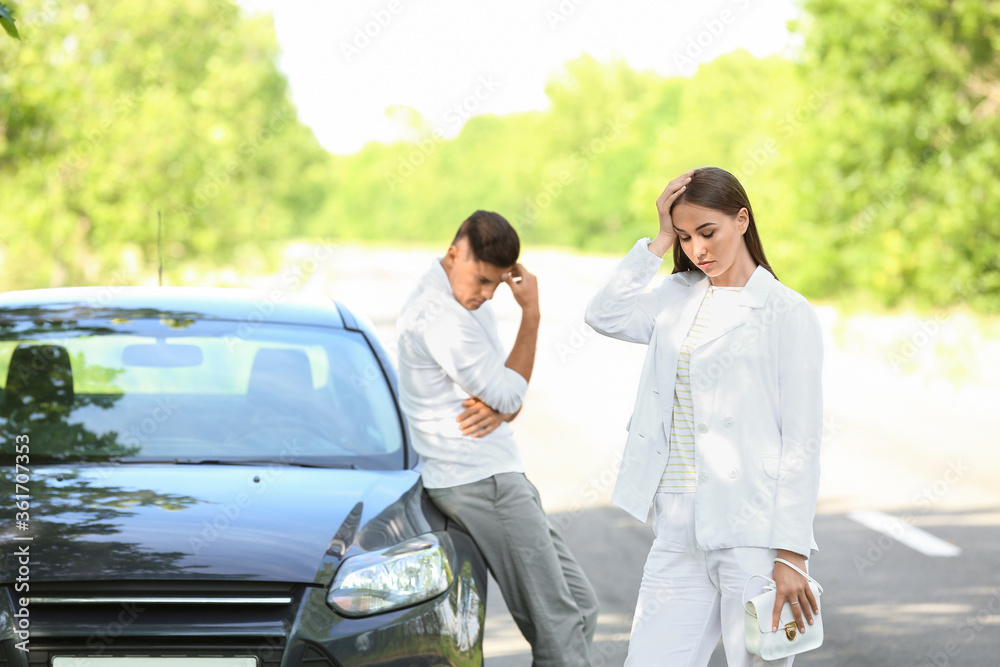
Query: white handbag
pixel 787 640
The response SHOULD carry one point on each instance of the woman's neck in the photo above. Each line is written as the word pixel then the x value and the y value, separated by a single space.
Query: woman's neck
pixel 738 274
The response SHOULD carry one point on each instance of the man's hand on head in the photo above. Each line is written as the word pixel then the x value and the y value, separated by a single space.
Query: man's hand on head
pixel 524 286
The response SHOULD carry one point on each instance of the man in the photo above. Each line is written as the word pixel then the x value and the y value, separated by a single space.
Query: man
pixel 459 393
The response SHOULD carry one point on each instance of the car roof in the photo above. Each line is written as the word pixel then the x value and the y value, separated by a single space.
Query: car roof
pixel 206 303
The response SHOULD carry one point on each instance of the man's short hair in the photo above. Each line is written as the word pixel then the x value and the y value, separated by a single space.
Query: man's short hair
pixel 491 238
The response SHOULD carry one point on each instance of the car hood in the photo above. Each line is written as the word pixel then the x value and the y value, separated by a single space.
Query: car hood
pixel 168 522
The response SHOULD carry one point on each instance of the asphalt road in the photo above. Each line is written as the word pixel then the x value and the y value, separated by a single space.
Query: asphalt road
pixel 923 456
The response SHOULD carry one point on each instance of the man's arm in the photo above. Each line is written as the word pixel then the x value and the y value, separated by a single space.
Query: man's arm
pixel 524 286
pixel 456 344
pixel 479 418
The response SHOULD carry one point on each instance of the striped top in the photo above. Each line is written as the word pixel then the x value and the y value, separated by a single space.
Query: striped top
pixel 680 475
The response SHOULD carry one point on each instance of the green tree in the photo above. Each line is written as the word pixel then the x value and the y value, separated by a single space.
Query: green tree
pixel 583 173
pixel 115 111
pixel 871 163
pixel 898 181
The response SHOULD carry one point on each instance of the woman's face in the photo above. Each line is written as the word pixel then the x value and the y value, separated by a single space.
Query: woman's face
pixel 713 241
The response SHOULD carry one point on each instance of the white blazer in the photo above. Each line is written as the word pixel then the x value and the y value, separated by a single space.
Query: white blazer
pixel 757 394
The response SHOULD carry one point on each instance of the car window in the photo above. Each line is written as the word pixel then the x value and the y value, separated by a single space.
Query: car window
pixel 192 390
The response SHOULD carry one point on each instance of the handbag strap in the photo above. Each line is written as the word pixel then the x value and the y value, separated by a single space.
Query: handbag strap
pixel 804 574
pixel 747 585
pixel 761 576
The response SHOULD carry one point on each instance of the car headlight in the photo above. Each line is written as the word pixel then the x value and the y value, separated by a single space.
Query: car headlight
pixel 401 575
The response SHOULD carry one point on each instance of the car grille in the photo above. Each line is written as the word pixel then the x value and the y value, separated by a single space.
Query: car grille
pixel 143 592
pixel 110 628
pixel 148 608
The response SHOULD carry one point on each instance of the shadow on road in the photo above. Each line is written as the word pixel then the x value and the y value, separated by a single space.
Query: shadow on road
pixel 611 547
pixel 887 605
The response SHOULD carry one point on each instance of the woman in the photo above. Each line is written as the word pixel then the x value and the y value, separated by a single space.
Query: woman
pixel 724 438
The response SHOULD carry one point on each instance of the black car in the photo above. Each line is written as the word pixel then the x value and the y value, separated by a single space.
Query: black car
pixel 216 478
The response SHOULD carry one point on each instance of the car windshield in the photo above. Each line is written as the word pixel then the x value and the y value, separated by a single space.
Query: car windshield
pixel 185 390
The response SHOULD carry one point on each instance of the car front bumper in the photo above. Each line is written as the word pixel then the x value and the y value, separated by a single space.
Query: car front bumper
pixel 304 631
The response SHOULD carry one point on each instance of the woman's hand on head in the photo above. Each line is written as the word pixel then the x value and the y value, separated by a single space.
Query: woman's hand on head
pixel 666 236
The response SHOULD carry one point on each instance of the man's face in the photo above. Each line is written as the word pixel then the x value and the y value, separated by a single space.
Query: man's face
pixel 472 281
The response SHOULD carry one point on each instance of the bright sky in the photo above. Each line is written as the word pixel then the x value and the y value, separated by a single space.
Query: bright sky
pixel 348 61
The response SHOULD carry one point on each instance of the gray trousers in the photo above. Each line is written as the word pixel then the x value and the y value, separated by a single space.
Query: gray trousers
pixel 547 593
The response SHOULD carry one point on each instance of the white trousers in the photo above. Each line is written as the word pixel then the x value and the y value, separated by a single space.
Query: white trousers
pixel 690 597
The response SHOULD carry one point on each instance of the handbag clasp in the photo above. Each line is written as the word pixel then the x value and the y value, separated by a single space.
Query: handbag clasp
pixel 791 630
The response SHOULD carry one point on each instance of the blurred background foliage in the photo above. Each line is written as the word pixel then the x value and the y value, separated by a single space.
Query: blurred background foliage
pixel 871 158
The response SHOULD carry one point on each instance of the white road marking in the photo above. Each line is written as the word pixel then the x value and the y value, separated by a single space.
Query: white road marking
pixel 913 537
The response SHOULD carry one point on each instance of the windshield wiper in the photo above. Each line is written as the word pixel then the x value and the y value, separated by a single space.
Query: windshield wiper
pixel 243 462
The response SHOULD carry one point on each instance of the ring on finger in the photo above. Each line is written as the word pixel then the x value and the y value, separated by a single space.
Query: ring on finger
pixel 796 602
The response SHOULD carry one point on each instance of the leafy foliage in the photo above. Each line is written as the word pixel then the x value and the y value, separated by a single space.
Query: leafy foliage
pixel 871 162
pixel 113 111
pixel 898 181
pixel 584 173
pixel 7 21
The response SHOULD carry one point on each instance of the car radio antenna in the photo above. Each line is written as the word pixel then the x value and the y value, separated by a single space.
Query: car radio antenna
pixel 159 243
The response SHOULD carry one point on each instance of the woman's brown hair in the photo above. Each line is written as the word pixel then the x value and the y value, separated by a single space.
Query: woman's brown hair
pixel 717 189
